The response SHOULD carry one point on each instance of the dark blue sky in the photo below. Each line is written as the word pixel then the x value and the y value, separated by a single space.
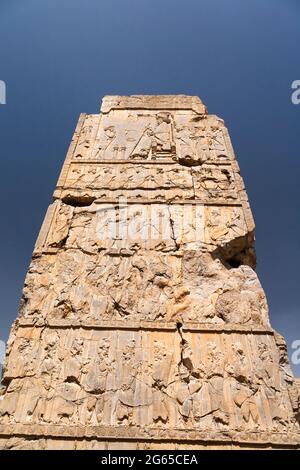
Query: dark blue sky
pixel 59 57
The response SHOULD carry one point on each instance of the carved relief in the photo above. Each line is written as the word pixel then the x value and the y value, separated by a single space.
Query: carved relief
pixel 212 182
pixel 157 140
pixel 163 135
pixel 86 137
pixel 106 143
pixel 192 145
pixel 128 176
pixel 131 286
pixel 181 383
pixel 216 141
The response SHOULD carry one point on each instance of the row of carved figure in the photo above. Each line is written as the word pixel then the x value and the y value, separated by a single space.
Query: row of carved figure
pixel 209 182
pixel 121 387
pixel 158 227
pixel 74 285
pixel 190 140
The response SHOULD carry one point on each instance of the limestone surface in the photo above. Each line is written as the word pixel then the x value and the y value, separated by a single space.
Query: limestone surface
pixel 143 324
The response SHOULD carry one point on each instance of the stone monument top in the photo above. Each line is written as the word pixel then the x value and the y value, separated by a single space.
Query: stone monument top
pixel 163 102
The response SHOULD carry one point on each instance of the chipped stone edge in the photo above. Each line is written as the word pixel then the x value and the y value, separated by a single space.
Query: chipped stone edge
pixel 144 434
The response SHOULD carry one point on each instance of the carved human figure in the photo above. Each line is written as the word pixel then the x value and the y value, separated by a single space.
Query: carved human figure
pixel 215 139
pixel 73 363
pixel 144 144
pixel 61 389
pixel 50 365
pixel 126 395
pixel 192 148
pixel 162 361
pixel 186 394
pixel 85 138
pixel 265 374
pixel 183 138
pixel 214 376
pixel 264 367
pixel 60 229
pixel 163 136
pixel 22 364
pixel 8 407
pixel 294 395
pixel 244 387
pixel 244 398
pixel 287 374
pixel 280 410
pixel 41 406
pixel 104 145
pixel 67 398
pixel 190 383
pixel 96 373
pixel 41 409
pixel 236 365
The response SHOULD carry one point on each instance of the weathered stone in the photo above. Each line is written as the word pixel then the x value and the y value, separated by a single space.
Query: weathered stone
pixel 143 324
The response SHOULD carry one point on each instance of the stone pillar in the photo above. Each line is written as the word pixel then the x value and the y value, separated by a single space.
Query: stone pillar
pixel 143 324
